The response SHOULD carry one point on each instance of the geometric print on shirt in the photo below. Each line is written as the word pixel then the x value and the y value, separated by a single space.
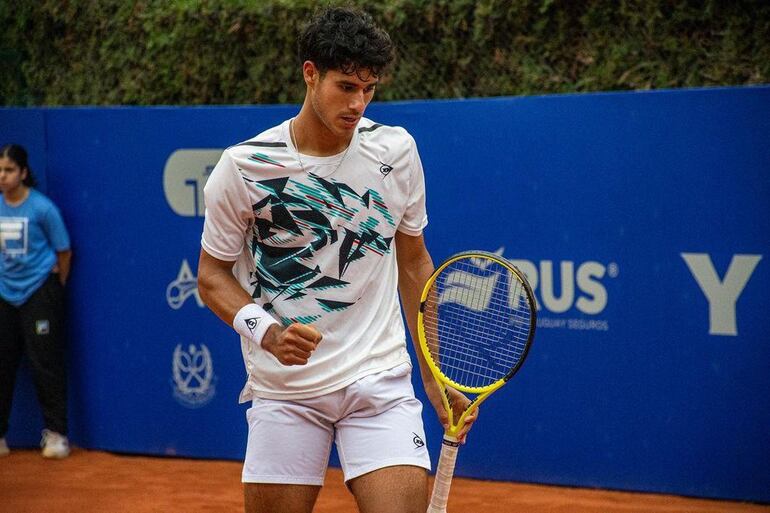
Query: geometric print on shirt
pixel 297 219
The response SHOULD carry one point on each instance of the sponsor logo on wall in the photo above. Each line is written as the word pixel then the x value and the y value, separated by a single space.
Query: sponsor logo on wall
pixel 184 286
pixel 579 300
pixel 723 293
pixel 194 381
pixel 184 176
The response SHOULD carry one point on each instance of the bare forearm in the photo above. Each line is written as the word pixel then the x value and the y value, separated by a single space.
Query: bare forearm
pixel 414 268
pixel 411 281
pixel 63 262
pixel 219 289
pixel 223 295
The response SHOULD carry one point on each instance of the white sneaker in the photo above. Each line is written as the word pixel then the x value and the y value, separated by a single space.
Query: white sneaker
pixel 4 450
pixel 54 445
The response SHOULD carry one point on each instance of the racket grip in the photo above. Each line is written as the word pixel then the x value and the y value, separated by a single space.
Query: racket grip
pixel 444 473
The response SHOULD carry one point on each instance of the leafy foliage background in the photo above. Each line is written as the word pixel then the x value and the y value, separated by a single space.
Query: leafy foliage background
pixel 152 52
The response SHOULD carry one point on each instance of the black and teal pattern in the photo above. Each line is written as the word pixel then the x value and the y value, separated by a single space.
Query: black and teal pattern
pixel 298 217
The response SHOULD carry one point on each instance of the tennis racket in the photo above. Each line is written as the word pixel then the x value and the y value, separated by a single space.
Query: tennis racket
pixel 476 324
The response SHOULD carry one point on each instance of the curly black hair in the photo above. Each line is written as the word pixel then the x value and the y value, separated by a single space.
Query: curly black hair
pixel 347 40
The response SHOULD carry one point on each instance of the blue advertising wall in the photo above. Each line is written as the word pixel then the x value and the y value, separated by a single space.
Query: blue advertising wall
pixel 642 219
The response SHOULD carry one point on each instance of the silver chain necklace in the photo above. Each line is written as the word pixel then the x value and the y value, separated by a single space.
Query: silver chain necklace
pixel 299 157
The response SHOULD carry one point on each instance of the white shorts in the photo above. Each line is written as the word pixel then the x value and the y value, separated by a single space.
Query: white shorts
pixel 376 422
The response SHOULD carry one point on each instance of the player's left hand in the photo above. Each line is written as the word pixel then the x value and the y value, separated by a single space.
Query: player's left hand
pixel 459 403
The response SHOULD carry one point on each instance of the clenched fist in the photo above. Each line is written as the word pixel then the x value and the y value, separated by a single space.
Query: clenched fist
pixel 292 345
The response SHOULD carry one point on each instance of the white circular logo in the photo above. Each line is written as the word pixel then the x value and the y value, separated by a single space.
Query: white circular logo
pixel 194 379
pixel 185 175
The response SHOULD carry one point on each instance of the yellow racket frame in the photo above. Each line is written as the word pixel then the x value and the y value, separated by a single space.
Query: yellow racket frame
pixel 441 379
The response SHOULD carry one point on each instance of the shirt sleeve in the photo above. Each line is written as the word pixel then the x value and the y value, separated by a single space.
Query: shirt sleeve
pixel 54 228
pixel 228 211
pixel 415 217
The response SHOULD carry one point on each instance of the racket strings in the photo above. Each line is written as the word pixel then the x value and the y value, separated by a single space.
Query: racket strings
pixel 513 350
pixel 477 321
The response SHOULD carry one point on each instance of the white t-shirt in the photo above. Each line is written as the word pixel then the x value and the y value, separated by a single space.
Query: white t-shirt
pixel 315 246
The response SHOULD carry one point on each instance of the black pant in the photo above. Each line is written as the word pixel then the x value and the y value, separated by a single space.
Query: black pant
pixel 36 328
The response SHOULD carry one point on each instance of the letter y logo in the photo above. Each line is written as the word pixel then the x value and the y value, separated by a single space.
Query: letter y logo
pixel 721 294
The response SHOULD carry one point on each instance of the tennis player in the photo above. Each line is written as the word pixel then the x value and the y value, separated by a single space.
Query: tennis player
pixel 311 230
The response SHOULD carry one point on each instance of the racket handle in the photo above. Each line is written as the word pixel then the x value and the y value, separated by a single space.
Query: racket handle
pixel 444 473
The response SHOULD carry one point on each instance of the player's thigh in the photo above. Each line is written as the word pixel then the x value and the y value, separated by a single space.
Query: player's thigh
pixel 384 427
pixel 398 489
pixel 288 444
pixel 287 452
pixel 269 498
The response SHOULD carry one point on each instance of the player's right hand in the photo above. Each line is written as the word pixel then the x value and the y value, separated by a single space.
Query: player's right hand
pixel 292 345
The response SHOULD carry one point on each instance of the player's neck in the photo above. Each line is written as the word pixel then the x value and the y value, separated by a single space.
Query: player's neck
pixel 16 196
pixel 312 137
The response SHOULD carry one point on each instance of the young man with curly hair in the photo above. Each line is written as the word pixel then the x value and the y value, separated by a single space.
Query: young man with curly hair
pixel 312 229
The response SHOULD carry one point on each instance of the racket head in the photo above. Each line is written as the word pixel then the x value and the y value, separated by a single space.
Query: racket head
pixel 476 321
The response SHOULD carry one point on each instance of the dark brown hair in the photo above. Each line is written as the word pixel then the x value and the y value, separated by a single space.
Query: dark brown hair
pixel 18 154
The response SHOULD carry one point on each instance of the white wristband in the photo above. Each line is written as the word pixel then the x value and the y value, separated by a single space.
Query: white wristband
pixel 252 322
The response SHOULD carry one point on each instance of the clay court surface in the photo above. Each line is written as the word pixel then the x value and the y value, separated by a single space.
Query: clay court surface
pixel 103 482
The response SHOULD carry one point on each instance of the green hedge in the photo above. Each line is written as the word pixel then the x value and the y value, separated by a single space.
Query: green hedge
pixel 103 52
